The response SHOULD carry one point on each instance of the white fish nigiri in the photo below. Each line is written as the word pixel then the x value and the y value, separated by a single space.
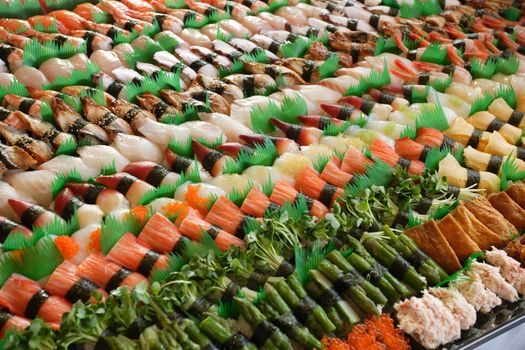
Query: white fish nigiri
pixel 136 148
pixel 64 164
pixel 229 126
pixel 33 184
pixel 261 175
pixel 100 155
pixel 31 77
pixel 161 134
pixel 204 190
pixel 204 130
pixel 230 182
pixel 86 239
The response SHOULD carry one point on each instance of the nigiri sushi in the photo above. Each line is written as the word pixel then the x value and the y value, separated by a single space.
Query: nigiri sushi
pixel 106 274
pixel 309 183
pixel 388 155
pixel 7 227
pixel 8 321
pixel 64 282
pixel 98 156
pixel 130 186
pixel 32 215
pixel 25 297
pixel 107 199
pixel 152 173
pixel 66 204
pixel 193 228
pixel 136 148
pixel 227 216
pixel 285 192
pixel 466 178
pixel 211 160
pixel 162 235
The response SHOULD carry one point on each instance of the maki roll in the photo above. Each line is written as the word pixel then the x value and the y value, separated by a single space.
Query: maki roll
pixel 106 274
pixel 66 283
pixel 25 297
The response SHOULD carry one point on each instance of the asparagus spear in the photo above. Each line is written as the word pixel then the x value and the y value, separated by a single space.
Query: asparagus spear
pixel 304 308
pixel 264 330
pixel 221 334
pixel 196 335
pixel 349 284
pixel 287 322
pixel 360 252
pixel 399 267
pixel 322 290
pixel 374 293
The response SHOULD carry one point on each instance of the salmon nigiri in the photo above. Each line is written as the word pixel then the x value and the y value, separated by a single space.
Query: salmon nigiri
pixel 434 138
pixel 257 203
pixel 162 235
pixel 10 321
pixel 25 297
pixel 412 150
pixel 355 162
pixel 227 216
pixel 333 174
pixel 309 183
pixel 284 192
pixel 107 274
pixel 193 227
pixel 130 186
pixel 129 253
pixel 66 283
pixel 33 215
pixel 382 151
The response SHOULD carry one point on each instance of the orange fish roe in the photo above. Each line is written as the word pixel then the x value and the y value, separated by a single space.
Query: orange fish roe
pixel 141 213
pixel 67 246
pixel 94 241
pixel 195 201
pixel 376 333
pixel 334 344
pixel 176 209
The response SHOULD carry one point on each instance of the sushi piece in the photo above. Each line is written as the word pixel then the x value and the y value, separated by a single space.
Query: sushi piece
pixel 208 132
pixel 341 112
pixel 25 105
pixel 505 113
pixel 488 122
pixel 71 122
pixel 309 183
pixel 128 252
pixel 482 161
pixel 227 216
pixel 162 235
pixel 234 149
pixel 66 283
pixel 231 183
pixel 180 164
pixel 511 210
pixel 231 128
pixel 509 268
pixel 29 186
pixel 156 106
pixel 8 321
pixel 319 121
pixel 40 151
pixel 7 227
pixel 467 135
pixel 64 164
pixel 104 118
pixel 152 173
pixel 304 136
pixel 197 195
pixel 130 186
pixel 285 192
pixel 517 192
pixel 282 144
pixel 457 304
pixel 467 178
pixel 476 293
pixel 15 158
pixel 412 150
pixel 262 175
pixel 382 151
pixel 434 138
pixel 257 203
pixel 98 156
pixel 355 162
pixel 369 107
pixel 291 164
pixel 211 160
pixel 45 131
pixel 161 134
pixel 492 219
pixel 31 215
pixel 106 274
pixel 493 280
pixel 334 175
pixel 107 199
pixel 193 228
pixel 497 145
pixel 131 113
pixel 67 204
pixel 25 297
pixel 136 148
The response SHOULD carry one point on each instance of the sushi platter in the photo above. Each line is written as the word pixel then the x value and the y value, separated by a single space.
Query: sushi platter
pixel 261 174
